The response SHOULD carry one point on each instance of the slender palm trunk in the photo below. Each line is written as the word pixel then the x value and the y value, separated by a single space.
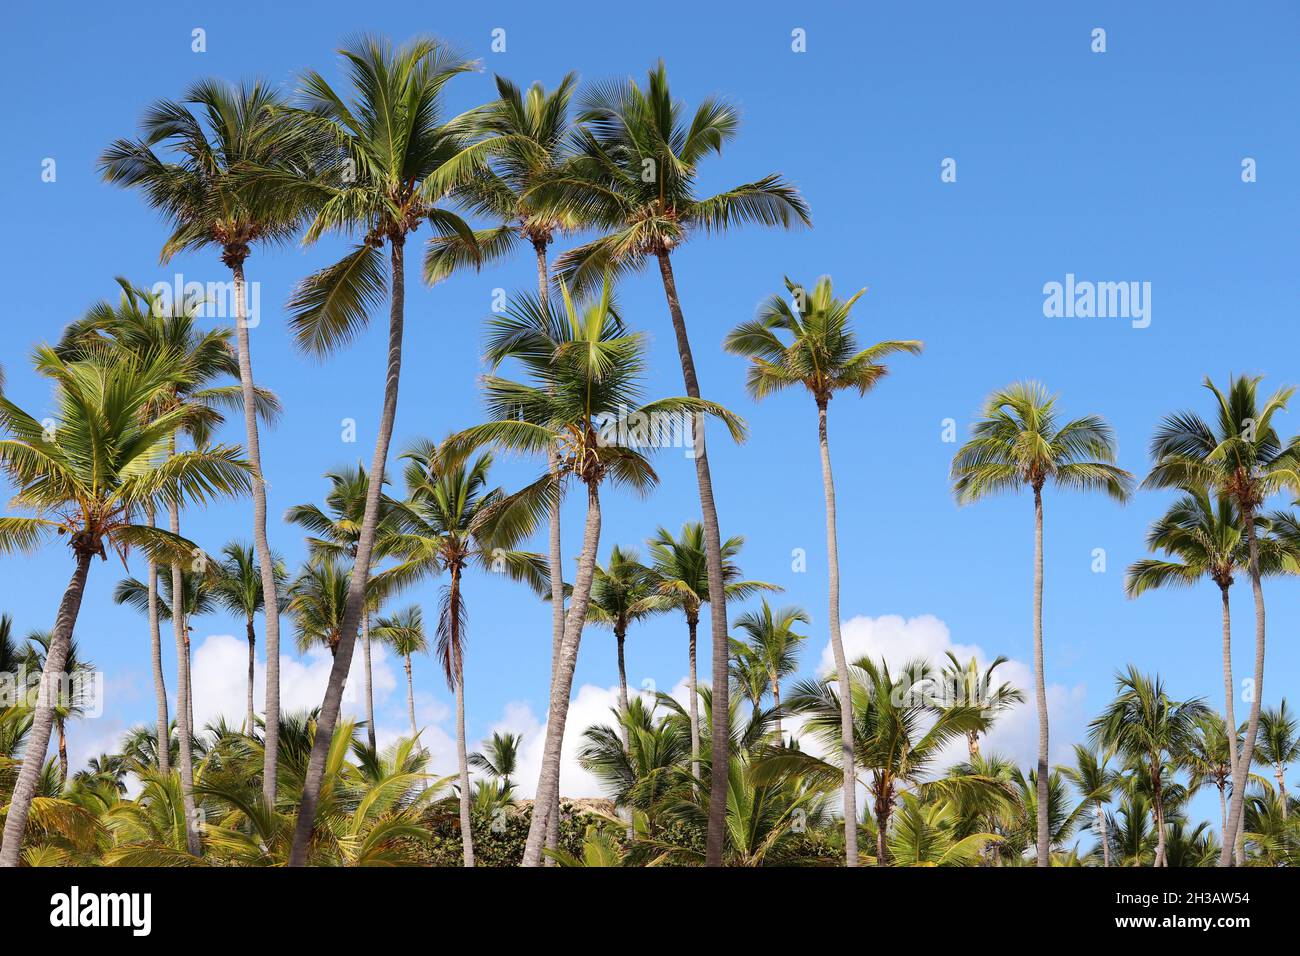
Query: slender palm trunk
pixel 265 560
pixel 837 646
pixel 184 692
pixel 721 732
pixel 329 712
pixel 1230 719
pixel 252 668
pixel 1105 836
pixel 38 738
pixel 1223 807
pixel 1158 791
pixel 63 753
pixel 1237 808
pixel 776 703
pixel 562 686
pixel 370 687
pixel 692 687
pixel 457 668
pixel 410 698
pixel 973 745
pixel 159 680
pixel 1280 776
pixel 884 803
pixel 1040 684
pixel 620 637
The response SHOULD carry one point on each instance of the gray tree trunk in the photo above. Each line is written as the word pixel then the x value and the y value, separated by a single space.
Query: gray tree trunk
pixel 562 686
pixel 620 638
pixel 1040 686
pixel 159 680
pixel 410 698
pixel 692 687
pixel 1105 836
pixel 370 688
pixel 462 759
pixel 721 731
pixel 1230 719
pixel 252 669
pixel 38 738
pixel 329 712
pixel 837 647
pixel 184 703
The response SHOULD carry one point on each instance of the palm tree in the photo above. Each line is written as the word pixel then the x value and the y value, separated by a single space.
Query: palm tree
pixel 681 570
pixel 622 592
pixel 1144 725
pixel 499 759
pixel 1207 758
pixel 239 586
pixel 452 520
pixel 210 137
pixel 317 600
pixel 971 686
pixel 394 159
pixel 634 179
pixel 91 478
pixel 1279 746
pixel 773 646
pixel 1018 442
pixel 336 531
pixel 77 676
pixel 1244 459
pixel 403 631
pixel 822 356
pixel 1096 784
pixel 583 407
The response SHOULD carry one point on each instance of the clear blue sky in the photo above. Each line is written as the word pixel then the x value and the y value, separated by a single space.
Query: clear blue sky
pixel 1117 166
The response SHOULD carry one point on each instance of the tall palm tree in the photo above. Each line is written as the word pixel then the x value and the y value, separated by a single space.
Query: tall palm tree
pixel 403 631
pixel 971 685
pixel 78 676
pixel 1143 724
pixel 622 592
pixel 1019 441
pixel 634 179
pixel 336 531
pixel 90 478
pixel 500 758
pixel 395 158
pixel 823 356
pixel 680 566
pixel 773 645
pixel 1096 783
pixel 1279 746
pixel 582 408
pixel 452 520
pixel 317 600
pixel 190 162
pixel 239 586
pixel 1243 458
pixel 1207 758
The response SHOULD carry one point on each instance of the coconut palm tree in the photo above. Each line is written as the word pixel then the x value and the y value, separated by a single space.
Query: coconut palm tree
pixel 1096 783
pixel 634 179
pixel 77 676
pixel 395 158
pixel 191 163
pixel 589 406
pixel 499 759
pixel 316 599
pixel 623 591
pixel 1279 746
pixel 238 586
pixel 680 566
pixel 1144 725
pixel 971 685
pixel 1019 442
pixel 452 520
pixel 1242 458
pixel 90 478
pixel 823 356
pixel 772 644
pixel 403 631
pixel 1207 758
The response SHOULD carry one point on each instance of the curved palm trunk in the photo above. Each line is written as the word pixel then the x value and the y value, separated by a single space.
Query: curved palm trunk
pixel 159 680
pixel 38 738
pixel 548 784
pixel 721 732
pixel 184 703
pixel 693 689
pixel 458 683
pixel 252 667
pixel 1040 685
pixel 1236 809
pixel 1230 719
pixel 620 636
pixel 370 687
pixel 265 561
pixel 837 647
pixel 329 712
pixel 410 698
pixel 1105 836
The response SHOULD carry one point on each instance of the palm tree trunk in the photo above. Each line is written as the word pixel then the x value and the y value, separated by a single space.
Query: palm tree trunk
pixel 837 646
pixel 1105 837
pixel 1237 808
pixel 620 638
pixel 63 753
pixel 884 802
pixel 265 560
pixel 1230 719
pixel 1223 808
pixel 692 686
pixel 776 703
pixel 721 732
pixel 544 806
pixel 1158 792
pixel 329 712
pixel 370 688
pixel 410 698
pixel 1040 684
pixel 1281 788
pixel 457 668
pixel 38 738
pixel 184 704
pixel 159 680
pixel 252 667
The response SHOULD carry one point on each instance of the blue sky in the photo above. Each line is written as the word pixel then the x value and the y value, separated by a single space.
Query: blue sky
pixel 1118 166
